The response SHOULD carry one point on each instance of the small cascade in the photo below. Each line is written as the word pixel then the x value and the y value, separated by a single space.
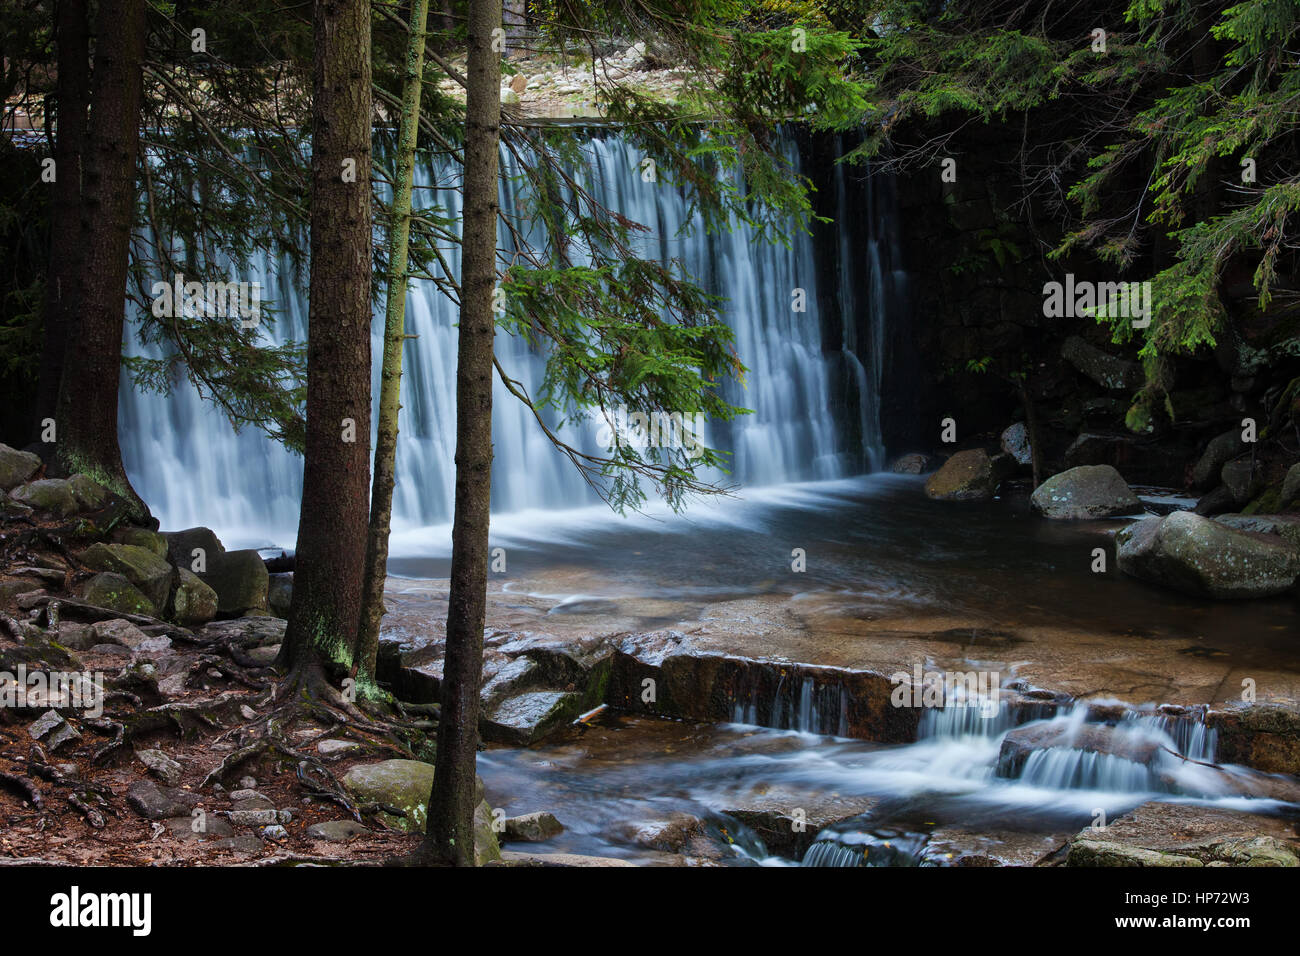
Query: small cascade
pixel 1193 738
pixel 799 703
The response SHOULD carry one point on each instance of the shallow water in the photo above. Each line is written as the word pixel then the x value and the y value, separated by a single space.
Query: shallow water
pixel 626 775
pixel 874 543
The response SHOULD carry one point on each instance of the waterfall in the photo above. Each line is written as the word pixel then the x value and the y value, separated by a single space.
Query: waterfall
pixel 193 469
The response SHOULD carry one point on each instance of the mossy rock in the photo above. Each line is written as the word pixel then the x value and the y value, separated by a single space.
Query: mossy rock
pixel 16 466
pixel 142 567
pixel 142 538
pixel 193 602
pixel 1100 853
pixel 90 494
pixel 114 592
pixel 54 495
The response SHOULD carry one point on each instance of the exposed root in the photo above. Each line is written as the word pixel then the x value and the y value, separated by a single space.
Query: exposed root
pixel 24 788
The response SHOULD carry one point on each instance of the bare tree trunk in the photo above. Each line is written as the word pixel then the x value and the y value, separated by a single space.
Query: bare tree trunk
pixel 86 439
pixel 381 494
pixel 72 101
pixel 320 641
pixel 450 837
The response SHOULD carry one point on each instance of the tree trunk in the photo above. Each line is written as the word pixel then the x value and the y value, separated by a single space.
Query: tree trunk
pixel 450 837
pixel 72 100
pixel 86 439
pixel 320 641
pixel 381 495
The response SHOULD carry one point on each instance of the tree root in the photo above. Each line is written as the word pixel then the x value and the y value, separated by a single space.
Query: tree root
pixel 24 787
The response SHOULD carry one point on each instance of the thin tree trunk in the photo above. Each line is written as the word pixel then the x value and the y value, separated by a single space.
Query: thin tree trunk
pixel 320 641
pixel 381 495
pixel 450 837
pixel 86 419
pixel 72 101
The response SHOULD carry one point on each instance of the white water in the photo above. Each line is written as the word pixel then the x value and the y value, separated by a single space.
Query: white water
pixel 187 462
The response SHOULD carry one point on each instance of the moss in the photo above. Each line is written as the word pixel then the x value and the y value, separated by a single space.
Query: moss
pixel 1265 504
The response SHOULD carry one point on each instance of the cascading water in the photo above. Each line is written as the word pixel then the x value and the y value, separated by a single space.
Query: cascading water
pixel 187 462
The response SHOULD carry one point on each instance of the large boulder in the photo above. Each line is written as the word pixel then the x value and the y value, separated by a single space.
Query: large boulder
pixel 114 592
pixel 48 494
pixel 526 718
pixel 1241 480
pixel 279 594
pixel 969 475
pixel 193 602
pixel 1172 834
pixel 1106 370
pixel 182 545
pixel 1193 554
pixel 240 580
pixel 147 571
pixel 1088 491
pixel 1015 442
pixel 1220 450
pixel 16 466
pixel 405 785
pixel 1290 495
pixel 143 538
pixel 90 494
pixel 1286 527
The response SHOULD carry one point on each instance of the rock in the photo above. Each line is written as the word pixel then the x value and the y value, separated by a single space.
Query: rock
pixel 1094 853
pixel 182 545
pixel 122 633
pixel 193 602
pixel 516 858
pixel 240 580
pixel 264 656
pixel 532 827
pixel 12 589
pixel 157 803
pixel 519 83
pixel 274 832
pixel 1172 834
pixel 1265 736
pixel 1290 495
pixel 335 831
pixel 48 494
pixel 279 593
pixel 1240 479
pixel 76 636
pixel 1138 459
pixel 1193 554
pixel 90 494
pixel 1106 370
pixel 670 835
pixel 1286 527
pixel 1022 741
pixel 252 818
pixel 968 475
pixel 161 766
pixel 52 730
pixel 142 538
pixel 247 783
pixel 405 785
pixel 1088 491
pixel 1216 502
pixel 914 464
pixel 114 592
pixel 526 718
pixel 199 827
pixel 509 97
pixel 1015 442
pixel 147 571
pixel 16 467
pixel 1220 450
pixel 336 748
pixel 172 687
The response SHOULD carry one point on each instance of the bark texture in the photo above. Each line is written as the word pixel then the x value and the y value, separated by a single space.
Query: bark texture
pixel 86 439
pixel 450 836
pixel 326 604
pixel 381 495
